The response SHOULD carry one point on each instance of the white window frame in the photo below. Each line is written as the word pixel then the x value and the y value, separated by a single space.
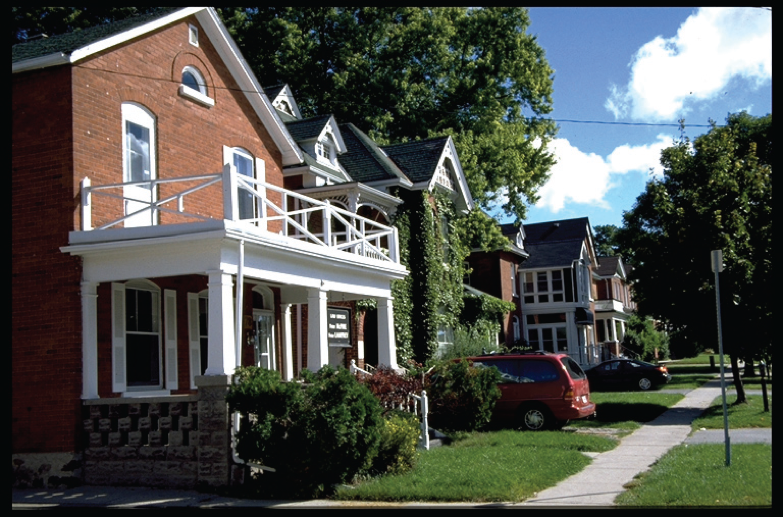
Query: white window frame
pixel 165 327
pixel 550 291
pixel 195 335
pixel 200 95
pixel 138 196
pixel 259 173
pixel 193 35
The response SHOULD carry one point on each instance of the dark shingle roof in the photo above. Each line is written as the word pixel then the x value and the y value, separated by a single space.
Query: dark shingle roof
pixel 363 159
pixel 69 42
pixel 607 266
pixel 306 129
pixel 552 231
pixel 555 243
pixel 419 159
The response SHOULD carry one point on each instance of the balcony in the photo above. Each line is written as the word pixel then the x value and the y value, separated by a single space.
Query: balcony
pixel 256 206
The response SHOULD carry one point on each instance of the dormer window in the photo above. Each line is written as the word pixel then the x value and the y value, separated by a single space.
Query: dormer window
pixel 194 86
pixel 325 151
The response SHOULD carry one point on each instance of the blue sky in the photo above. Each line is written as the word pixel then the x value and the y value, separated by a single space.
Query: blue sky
pixel 627 67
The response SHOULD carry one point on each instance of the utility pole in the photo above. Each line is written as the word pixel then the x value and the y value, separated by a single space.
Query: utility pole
pixel 717 267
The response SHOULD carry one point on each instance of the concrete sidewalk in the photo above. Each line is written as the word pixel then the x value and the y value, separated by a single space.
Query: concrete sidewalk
pixel 596 485
pixel 603 480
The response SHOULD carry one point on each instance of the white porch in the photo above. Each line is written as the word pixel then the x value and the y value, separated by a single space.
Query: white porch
pixel 318 255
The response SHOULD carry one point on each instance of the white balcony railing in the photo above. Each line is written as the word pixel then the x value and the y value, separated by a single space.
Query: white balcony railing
pixel 301 218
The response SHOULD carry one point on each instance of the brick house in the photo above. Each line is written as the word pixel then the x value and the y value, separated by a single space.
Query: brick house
pixel 162 235
pixel 613 303
pixel 496 272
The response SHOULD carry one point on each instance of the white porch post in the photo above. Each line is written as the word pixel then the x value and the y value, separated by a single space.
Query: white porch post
pixel 221 355
pixel 287 342
pixel 89 340
pixel 317 344
pixel 387 347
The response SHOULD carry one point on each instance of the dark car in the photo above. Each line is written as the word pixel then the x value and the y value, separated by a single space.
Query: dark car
pixel 539 390
pixel 627 373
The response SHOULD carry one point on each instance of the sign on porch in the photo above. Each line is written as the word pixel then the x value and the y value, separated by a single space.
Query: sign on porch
pixel 339 331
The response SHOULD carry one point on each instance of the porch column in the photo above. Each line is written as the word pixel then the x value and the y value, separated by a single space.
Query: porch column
pixel 387 345
pixel 317 326
pixel 287 342
pixel 221 357
pixel 89 340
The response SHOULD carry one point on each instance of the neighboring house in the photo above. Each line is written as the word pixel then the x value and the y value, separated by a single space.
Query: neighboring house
pixel 613 303
pixel 556 284
pixel 346 168
pixel 169 225
pixel 496 273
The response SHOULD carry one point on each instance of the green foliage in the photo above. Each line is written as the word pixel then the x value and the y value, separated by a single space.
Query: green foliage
pixel 430 298
pixel 642 338
pixel 399 437
pixel 315 435
pixel 405 73
pixel 476 340
pixel 605 237
pixel 716 194
pixel 461 397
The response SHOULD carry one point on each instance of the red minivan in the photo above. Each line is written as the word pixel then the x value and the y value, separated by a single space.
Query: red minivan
pixel 540 390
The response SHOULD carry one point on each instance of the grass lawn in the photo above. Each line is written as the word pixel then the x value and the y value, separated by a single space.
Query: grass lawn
pixel 627 410
pixel 697 475
pixel 699 359
pixel 740 416
pixel 503 465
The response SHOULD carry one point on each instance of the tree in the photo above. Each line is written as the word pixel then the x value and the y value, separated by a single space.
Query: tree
pixel 715 194
pixel 606 240
pixel 401 73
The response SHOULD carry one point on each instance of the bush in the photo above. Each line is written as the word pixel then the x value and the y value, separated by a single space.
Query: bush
pixel 315 435
pixel 391 388
pixel 461 397
pixel 642 338
pixel 399 438
pixel 470 341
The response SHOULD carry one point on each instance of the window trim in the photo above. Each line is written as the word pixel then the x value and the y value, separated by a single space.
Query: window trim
pixel 202 94
pixel 139 115
pixel 550 291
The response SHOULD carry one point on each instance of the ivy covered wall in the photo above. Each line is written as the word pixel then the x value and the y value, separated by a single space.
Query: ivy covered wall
pixel 430 297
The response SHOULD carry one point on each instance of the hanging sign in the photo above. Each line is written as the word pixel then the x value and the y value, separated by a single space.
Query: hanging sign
pixel 339 327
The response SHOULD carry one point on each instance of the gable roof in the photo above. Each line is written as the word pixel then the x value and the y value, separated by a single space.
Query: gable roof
pixel 365 161
pixel 610 266
pixel 307 129
pixel 76 46
pixel 556 243
pixel 418 159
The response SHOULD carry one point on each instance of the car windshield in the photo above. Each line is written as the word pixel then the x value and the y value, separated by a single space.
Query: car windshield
pixel 642 364
pixel 573 368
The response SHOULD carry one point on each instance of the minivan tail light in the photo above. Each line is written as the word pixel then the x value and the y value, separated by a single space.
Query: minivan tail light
pixel 569 394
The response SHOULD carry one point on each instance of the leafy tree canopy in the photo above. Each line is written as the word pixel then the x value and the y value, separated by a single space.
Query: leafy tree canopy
pixel 402 73
pixel 716 194
pixel 606 240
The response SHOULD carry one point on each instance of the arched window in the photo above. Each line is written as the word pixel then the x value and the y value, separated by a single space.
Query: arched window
pixel 139 164
pixel 194 86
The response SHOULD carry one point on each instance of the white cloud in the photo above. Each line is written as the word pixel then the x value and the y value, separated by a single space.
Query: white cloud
pixel 580 177
pixel 711 47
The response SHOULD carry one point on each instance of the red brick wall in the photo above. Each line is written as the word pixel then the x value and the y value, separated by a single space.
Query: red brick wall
pixel 54 145
pixel 190 136
pixel 45 289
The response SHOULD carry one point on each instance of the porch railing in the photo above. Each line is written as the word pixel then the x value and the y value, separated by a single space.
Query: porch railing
pixel 300 217
pixel 420 407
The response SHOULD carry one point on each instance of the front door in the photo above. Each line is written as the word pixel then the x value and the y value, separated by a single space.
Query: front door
pixel 264 322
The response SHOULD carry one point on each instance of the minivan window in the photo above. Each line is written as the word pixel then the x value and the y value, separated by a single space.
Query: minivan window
pixel 573 368
pixel 522 371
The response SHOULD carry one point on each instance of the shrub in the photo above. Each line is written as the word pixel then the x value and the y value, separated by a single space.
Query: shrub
pixel 461 397
pixel 315 435
pixel 391 388
pixel 399 437
pixel 475 340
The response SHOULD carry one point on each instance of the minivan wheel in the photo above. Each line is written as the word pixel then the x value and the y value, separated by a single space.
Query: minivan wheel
pixel 534 418
pixel 645 384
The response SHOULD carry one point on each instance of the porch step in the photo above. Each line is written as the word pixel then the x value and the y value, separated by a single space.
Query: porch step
pixel 437 438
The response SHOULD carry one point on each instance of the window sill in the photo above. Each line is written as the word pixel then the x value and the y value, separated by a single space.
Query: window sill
pixel 196 96
pixel 146 393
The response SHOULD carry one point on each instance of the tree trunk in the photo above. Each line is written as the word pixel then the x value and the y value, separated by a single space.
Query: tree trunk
pixel 735 371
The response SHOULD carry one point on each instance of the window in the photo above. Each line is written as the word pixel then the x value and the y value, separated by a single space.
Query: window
pixel 193 35
pixel 547 332
pixel 138 164
pixel 138 337
pixel 325 151
pixel 513 280
pixel 443 175
pixel 543 286
pixel 265 342
pixel 250 204
pixel 194 87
